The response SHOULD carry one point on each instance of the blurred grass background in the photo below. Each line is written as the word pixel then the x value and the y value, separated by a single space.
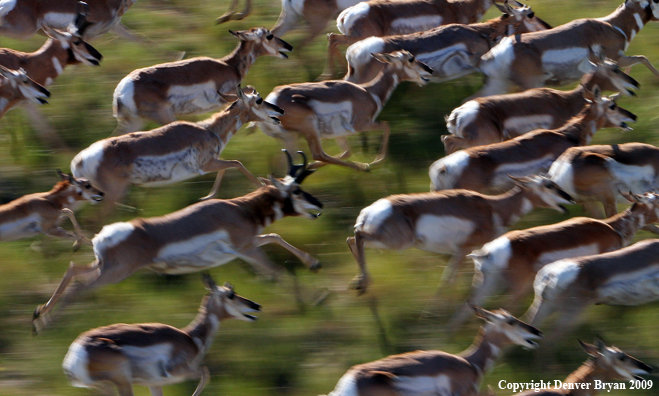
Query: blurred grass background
pixel 294 349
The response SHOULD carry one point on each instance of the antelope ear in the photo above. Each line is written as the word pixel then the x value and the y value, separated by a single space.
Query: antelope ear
pixel 208 281
pixel 590 349
pixel 280 186
pixel 501 8
pixel 481 312
pixel 384 58
pixel 61 175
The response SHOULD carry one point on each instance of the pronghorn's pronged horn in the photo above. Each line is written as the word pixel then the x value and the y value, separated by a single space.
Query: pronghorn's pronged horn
pixel 81 23
pixel 209 283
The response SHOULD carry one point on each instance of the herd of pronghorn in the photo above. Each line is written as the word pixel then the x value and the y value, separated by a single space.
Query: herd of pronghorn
pixel 530 147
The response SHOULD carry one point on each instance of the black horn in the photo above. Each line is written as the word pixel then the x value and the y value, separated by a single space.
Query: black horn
pixel 80 22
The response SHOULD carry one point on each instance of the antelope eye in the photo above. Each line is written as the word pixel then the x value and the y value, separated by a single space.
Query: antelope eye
pixel 613 106
pixel 270 36
pixel 621 358
pixel 259 101
pixel 231 295
pixel 88 186
pixel 511 321
pixel 297 191
pixel 531 14
pixel 411 59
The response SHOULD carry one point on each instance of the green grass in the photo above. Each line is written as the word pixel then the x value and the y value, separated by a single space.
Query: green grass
pixel 292 349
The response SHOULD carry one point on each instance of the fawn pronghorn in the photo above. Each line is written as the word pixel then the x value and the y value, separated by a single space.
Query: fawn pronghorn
pixel 497 118
pixel 201 236
pixel 598 173
pixel 485 168
pixel 451 221
pixel 334 109
pixel 605 365
pixel 23 18
pixel 452 51
pixel 171 153
pixel 16 85
pixel 560 55
pixel 436 372
pixel 154 354
pixel 512 261
pixel 385 18
pixel 191 86
pixel 629 276
pixel 41 212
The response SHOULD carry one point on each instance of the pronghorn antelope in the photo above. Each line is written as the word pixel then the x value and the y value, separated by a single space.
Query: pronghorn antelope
pixel 23 18
pixel 486 168
pixel 41 212
pixel 334 109
pixel 606 364
pixel 627 276
pixel 452 221
pixel 598 173
pixel 502 117
pixel 16 85
pixel 512 260
pixel 171 153
pixel 154 354
pixel 191 86
pixel 452 51
pixel 199 237
pixel 385 18
pixel 437 372
pixel 560 55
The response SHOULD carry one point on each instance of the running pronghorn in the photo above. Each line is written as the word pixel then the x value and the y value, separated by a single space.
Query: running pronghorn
pixel 497 118
pixel 199 237
pixel 599 173
pixel 16 85
pixel 334 109
pixel 560 55
pixel 38 213
pixel 154 354
pixel 436 372
pixel 191 86
pixel 451 221
pixel 605 365
pixel 511 262
pixel 171 153
pixel 486 168
pixel 627 276
pixel 23 18
pixel 452 51
pixel 386 18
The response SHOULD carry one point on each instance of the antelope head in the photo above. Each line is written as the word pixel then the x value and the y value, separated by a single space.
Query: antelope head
pixel 266 41
pixel 515 331
pixel 84 190
pixel 607 75
pixel 296 201
pixel 224 303
pixel 615 363
pixel 258 110
pixel 73 38
pixel 524 17
pixel 607 112
pixel 647 203
pixel 407 66
pixel 543 192
pixel 27 88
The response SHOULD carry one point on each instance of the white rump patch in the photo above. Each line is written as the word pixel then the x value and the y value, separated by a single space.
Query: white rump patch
pixel 6 6
pixel 196 253
pixel 441 234
pixel 350 15
pixel 110 236
pixel 423 385
pixel 196 98
pixel 359 54
pixel 554 278
pixel 333 119
pixel 125 92
pixel 415 24
pixel 76 366
pixel 347 386
pixel 561 172
pixel 445 172
pixel 57 20
pixel 85 163
pixel 461 117
pixel 493 256
pixel 371 217
pixel 514 126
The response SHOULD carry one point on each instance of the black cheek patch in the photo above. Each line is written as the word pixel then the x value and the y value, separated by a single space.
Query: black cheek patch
pixel 289 209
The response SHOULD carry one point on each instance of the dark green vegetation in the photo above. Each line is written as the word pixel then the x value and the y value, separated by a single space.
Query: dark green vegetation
pixel 292 349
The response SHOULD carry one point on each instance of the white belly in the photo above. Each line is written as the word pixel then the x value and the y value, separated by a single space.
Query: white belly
pixel 414 24
pixel 21 228
pixel 515 126
pixel 531 167
pixel 566 64
pixel 149 364
pixel 441 234
pixel 424 386
pixel 192 99
pixel 631 289
pixel 555 255
pixel 153 171
pixel 195 254
pixel 333 119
